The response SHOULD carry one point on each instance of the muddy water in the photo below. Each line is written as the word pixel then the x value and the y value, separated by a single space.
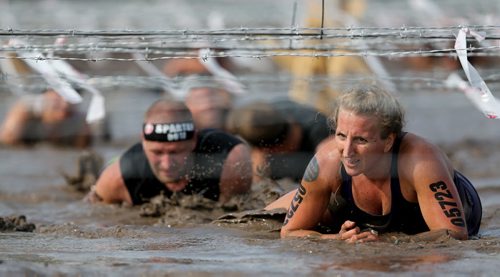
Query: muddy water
pixel 74 238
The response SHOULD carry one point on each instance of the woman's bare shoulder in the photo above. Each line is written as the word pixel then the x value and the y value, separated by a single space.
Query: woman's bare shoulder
pixel 417 151
pixel 327 161
pixel 413 143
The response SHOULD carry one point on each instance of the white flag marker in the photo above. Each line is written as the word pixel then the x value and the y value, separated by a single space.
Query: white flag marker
pixel 477 90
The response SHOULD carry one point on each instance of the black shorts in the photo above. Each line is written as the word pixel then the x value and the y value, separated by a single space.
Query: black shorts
pixel 470 201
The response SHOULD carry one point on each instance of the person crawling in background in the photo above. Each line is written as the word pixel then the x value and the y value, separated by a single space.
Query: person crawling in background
pixel 374 178
pixel 209 106
pixel 174 156
pixel 45 118
pixel 283 135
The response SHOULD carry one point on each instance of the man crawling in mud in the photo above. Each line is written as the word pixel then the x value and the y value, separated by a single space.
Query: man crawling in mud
pixel 374 178
pixel 174 156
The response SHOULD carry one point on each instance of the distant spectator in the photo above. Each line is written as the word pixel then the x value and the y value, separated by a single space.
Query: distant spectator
pixel 303 68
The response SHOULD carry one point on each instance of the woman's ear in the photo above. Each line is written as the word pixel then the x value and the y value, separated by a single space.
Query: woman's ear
pixel 389 142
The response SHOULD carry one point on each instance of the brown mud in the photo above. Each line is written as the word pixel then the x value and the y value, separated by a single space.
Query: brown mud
pixel 16 224
pixel 187 235
pixel 177 238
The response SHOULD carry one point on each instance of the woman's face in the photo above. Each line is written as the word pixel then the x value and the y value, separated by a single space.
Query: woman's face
pixel 359 142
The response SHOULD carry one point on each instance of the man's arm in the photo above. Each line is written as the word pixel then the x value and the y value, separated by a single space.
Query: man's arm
pixel 236 176
pixel 260 165
pixel 110 187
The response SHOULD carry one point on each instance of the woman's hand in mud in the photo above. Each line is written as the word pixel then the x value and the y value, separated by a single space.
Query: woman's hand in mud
pixel 351 233
pixel 368 235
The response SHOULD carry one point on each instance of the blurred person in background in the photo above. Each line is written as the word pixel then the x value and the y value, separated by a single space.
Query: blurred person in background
pixel 338 13
pixel 47 117
pixel 209 106
pixel 207 97
pixel 284 136
pixel 189 67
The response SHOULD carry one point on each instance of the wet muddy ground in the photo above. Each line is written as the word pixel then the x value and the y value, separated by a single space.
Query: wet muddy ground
pixel 73 238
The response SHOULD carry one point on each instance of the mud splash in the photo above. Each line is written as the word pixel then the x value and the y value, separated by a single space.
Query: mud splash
pixel 16 224
pixel 181 210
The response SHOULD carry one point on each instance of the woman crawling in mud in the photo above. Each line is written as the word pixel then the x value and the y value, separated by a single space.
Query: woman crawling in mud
pixel 374 178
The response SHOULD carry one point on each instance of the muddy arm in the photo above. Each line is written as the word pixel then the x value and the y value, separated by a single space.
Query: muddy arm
pixel 236 177
pixel 110 186
pixel 12 127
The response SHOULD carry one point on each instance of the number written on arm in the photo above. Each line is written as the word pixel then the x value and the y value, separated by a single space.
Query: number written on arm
pixel 448 204
pixel 297 199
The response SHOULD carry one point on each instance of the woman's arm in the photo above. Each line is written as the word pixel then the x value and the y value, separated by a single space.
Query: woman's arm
pixel 310 201
pixel 428 171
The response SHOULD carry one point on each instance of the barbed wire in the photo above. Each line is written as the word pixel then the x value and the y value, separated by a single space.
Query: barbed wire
pixel 259 43
pixel 191 43
pixel 163 38
pixel 35 82
pixel 285 32
pixel 247 42
pixel 157 55
pixel 148 49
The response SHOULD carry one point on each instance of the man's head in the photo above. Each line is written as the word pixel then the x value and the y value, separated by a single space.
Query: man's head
pixel 259 124
pixel 168 139
pixel 371 101
pixel 209 106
